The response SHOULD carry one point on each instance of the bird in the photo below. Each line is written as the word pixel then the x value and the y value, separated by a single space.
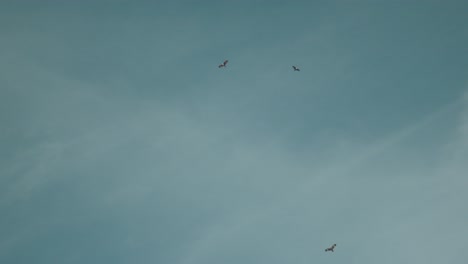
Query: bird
pixel 331 248
pixel 296 68
pixel 223 65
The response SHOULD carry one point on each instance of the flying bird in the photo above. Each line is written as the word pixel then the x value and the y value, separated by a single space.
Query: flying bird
pixel 296 68
pixel 331 248
pixel 223 65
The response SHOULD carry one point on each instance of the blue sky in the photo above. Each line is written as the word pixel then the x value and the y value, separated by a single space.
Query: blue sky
pixel 122 142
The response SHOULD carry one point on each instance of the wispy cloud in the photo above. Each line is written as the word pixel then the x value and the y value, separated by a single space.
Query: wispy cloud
pixel 329 189
pixel 122 142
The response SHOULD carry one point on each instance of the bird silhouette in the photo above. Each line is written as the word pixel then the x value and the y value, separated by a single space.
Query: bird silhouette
pixel 296 68
pixel 223 65
pixel 331 248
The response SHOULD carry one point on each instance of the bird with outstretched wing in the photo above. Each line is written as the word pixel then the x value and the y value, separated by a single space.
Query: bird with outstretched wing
pixel 223 64
pixel 331 248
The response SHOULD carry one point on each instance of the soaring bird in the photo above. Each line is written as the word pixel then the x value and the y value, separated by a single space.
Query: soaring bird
pixel 296 68
pixel 331 248
pixel 223 65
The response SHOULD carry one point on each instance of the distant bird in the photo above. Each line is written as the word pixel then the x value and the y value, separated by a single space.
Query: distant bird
pixel 223 65
pixel 331 248
pixel 296 68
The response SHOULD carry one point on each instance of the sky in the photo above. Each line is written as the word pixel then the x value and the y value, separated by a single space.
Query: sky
pixel 121 141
